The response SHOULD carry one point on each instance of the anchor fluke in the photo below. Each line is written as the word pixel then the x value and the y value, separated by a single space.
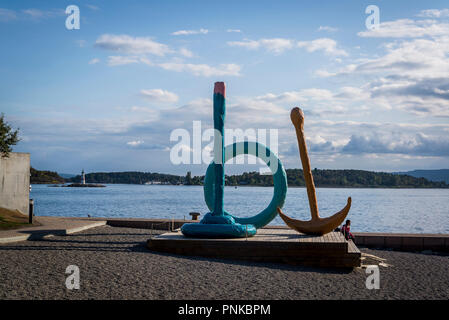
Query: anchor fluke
pixel 317 225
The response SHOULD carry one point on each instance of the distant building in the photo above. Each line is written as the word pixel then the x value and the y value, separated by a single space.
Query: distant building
pixel 83 177
pixel 153 182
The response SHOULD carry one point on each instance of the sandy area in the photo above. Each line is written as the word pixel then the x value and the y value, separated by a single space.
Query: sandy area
pixel 115 264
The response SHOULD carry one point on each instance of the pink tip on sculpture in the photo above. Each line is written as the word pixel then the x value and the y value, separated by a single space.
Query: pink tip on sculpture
pixel 220 88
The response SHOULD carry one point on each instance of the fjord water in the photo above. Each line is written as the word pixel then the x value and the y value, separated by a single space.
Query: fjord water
pixel 373 210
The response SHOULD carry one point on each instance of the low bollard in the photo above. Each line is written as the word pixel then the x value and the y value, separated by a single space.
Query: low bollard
pixel 31 211
pixel 194 215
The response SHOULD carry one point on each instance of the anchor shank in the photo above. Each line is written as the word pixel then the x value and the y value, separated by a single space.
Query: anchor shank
pixel 297 117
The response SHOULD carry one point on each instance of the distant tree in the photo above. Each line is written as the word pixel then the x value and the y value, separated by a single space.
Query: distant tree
pixel 8 137
pixel 45 177
pixel 188 180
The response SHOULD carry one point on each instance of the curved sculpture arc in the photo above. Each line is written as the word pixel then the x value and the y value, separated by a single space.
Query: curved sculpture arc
pixel 279 178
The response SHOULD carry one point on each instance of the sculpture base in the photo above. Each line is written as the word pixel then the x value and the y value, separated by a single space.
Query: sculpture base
pixel 277 245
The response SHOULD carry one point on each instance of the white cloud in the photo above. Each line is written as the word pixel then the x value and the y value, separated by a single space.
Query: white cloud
pixel 407 28
pixel 132 45
pixel 92 7
pixel 279 45
pixel 234 30
pixel 412 74
pixel 352 93
pixel 186 52
pixel 434 13
pixel 94 61
pixel 327 28
pixel 124 60
pixel 135 143
pixel 398 143
pixel 203 69
pixel 329 46
pixel 37 14
pixel 248 44
pixel 159 95
pixel 324 73
pixel 189 32
pixel 417 58
pixel 338 142
pixel 297 96
pixel 274 45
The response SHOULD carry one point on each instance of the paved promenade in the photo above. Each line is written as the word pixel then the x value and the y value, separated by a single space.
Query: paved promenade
pixel 50 226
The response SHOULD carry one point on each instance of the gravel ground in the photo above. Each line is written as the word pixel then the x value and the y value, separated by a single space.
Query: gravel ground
pixel 115 264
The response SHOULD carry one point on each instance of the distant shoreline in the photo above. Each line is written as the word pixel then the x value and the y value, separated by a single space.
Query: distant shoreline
pixel 256 186
pixel 324 178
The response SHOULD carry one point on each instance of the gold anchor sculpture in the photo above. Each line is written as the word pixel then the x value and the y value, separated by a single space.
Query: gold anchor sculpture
pixel 316 226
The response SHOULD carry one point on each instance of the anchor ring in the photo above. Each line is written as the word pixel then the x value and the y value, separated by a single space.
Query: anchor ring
pixel 279 178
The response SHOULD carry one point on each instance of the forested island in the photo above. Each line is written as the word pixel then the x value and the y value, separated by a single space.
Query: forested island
pixel 45 177
pixel 131 177
pixel 322 178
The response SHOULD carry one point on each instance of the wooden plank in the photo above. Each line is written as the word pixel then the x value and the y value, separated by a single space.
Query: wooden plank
pixel 334 237
pixel 352 248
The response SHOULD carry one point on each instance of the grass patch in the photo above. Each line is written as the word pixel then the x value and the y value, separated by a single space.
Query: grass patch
pixel 13 219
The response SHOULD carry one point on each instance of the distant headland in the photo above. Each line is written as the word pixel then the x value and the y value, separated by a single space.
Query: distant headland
pixel 322 178
pixel 50 177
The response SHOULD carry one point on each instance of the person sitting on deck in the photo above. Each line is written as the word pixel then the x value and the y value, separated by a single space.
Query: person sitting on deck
pixel 346 230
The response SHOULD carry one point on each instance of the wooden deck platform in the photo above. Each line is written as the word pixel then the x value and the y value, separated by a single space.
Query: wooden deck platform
pixel 268 245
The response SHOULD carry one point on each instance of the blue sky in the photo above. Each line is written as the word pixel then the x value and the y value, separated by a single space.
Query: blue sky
pixel 107 96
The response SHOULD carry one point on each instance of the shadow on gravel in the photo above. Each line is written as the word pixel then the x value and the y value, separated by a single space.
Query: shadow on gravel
pixel 124 243
pixel 77 245
pixel 38 234
pixel 110 234
pixel 69 248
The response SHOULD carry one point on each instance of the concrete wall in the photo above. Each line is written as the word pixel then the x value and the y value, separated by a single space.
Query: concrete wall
pixel 15 181
pixel 403 241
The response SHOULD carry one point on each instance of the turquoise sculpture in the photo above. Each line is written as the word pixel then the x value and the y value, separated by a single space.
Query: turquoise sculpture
pixel 218 223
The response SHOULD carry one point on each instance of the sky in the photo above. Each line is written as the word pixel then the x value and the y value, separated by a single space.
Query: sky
pixel 108 96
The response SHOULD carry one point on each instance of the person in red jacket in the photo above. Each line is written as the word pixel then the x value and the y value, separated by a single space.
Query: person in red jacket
pixel 346 230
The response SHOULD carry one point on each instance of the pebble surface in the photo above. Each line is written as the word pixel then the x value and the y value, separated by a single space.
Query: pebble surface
pixel 114 263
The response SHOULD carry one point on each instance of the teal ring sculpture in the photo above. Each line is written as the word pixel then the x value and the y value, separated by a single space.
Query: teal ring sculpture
pixel 218 223
pixel 279 178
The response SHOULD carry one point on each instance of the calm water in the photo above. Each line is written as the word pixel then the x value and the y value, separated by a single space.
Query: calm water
pixel 373 210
